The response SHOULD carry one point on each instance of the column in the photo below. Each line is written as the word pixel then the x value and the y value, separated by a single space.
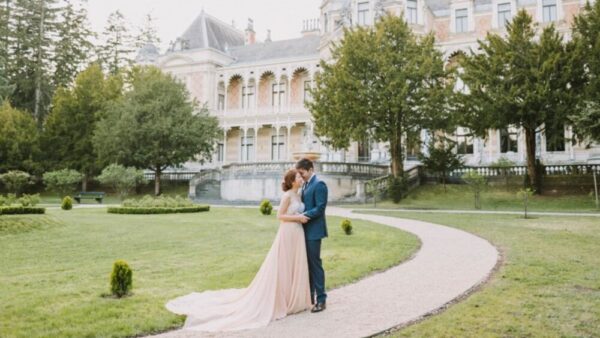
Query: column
pixel 288 147
pixel 226 90
pixel 277 142
pixel 570 144
pixel 289 93
pixel 225 145
pixel 244 158
pixel 255 143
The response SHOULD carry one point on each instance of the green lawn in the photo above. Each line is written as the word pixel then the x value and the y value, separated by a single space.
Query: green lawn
pixel 548 286
pixel 56 267
pixel 459 197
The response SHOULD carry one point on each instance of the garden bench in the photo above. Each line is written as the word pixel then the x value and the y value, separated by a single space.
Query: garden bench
pixel 98 196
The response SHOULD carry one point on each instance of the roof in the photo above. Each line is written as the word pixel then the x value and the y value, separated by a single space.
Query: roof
pixel 293 48
pixel 209 32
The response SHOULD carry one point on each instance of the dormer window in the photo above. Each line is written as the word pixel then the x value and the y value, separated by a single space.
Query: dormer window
pixel 549 10
pixel 462 20
pixel 504 14
pixel 363 14
pixel 411 11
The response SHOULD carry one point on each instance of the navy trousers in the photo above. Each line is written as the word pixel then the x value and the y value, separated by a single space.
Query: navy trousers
pixel 315 271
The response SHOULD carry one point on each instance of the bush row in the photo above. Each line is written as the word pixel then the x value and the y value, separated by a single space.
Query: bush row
pixel 25 200
pixel 21 210
pixel 159 210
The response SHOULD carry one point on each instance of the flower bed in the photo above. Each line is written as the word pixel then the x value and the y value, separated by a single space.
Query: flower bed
pixel 157 210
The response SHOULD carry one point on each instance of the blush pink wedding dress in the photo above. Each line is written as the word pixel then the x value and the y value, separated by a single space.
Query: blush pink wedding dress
pixel 280 287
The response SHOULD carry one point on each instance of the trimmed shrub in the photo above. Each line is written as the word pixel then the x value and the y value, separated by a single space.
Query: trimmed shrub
pixel 159 202
pixel 347 226
pixel 397 189
pixel 266 207
pixel 20 210
pixel 156 210
pixel 62 181
pixel 29 200
pixel 67 203
pixel 121 279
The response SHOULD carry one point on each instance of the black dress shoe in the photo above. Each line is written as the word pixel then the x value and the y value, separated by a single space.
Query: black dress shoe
pixel 319 307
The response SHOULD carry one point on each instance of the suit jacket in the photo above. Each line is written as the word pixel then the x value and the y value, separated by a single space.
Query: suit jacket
pixel 314 196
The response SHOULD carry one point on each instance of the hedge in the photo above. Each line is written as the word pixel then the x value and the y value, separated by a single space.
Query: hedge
pixel 18 210
pixel 147 210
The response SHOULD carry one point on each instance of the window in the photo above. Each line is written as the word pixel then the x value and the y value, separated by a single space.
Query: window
pixel 364 151
pixel 220 153
pixel 462 20
pixel 325 23
pixel 248 97
pixel 504 14
pixel 277 147
pixel 278 98
pixel 413 145
pixel 549 10
pixel 247 149
pixel 508 140
pixel 411 11
pixel 464 141
pixel 307 86
pixel 555 139
pixel 363 13
pixel 221 103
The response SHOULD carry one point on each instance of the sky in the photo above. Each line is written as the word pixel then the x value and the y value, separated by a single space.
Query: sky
pixel 282 17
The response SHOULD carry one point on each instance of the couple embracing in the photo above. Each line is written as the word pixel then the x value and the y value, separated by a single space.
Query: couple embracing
pixel 291 279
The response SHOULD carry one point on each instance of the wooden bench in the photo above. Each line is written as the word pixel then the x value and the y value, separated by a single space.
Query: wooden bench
pixel 95 195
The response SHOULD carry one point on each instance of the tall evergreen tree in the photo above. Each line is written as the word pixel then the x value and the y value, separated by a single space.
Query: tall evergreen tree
pixel 33 25
pixel 68 132
pixel 117 50
pixel 586 41
pixel 73 47
pixel 148 33
pixel 519 80
pixel 383 84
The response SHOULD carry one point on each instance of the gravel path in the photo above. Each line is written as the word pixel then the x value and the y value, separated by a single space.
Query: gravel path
pixel 449 264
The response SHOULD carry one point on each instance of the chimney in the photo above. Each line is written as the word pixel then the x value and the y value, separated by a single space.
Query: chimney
pixel 310 27
pixel 250 33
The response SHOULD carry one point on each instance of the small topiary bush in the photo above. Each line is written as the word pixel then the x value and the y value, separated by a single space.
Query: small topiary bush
pixel 121 279
pixel 347 226
pixel 67 203
pixel 266 207
pixel 29 200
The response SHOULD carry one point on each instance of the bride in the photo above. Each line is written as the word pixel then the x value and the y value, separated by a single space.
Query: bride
pixel 280 287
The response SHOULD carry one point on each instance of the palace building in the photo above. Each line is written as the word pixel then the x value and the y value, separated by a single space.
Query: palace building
pixel 257 89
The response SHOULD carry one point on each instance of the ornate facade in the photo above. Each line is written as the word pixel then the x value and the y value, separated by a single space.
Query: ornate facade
pixel 258 89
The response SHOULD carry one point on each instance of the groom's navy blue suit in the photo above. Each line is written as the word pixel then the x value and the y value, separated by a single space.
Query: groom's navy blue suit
pixel 314 196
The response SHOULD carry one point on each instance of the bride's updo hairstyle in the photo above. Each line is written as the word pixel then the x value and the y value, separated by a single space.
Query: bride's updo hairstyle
pixel 288 180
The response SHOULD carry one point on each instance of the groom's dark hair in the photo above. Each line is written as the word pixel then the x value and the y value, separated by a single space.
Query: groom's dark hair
pixel 305 164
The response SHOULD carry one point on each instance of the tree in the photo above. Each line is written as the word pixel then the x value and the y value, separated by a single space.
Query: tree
pixel 116 53
pixel 148 34
pixel 15 181
pixel 62 181
pixel 155 126
pixel 477 183
pixel 19 140
pixel 73 48
pixel 522 81
pixel 586 42
pixel 441 159
pixel 69 129
pixel 33 25
pixel 383 84
pixel 122 179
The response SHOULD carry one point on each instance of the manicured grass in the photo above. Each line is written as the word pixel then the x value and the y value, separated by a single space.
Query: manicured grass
pixel 55 272
pixel 493 198
pixel 548 286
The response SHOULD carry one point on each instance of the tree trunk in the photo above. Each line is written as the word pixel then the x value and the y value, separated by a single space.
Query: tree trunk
pixel 38 76
pixel 397 156
pixel 84 183
pixel 532 169
pixel 157 174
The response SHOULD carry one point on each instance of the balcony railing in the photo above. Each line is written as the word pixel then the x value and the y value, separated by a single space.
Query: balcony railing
pixel 326 168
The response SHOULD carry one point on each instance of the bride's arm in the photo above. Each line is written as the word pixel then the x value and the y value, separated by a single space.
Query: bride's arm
pixel 283 207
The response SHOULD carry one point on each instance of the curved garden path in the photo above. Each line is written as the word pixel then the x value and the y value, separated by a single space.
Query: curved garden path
pixel 449 264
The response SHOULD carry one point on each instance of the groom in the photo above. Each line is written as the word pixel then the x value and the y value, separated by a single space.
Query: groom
pixel 314 196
